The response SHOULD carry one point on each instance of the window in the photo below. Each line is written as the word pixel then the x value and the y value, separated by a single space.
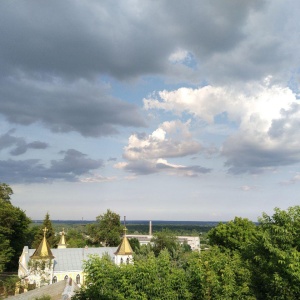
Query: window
pixel 78 279
pixel 66 277
pixel 54 279
pixel 121 261
pixel 127 260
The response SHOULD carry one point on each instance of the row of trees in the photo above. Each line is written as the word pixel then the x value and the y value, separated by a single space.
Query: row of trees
pixel 245 261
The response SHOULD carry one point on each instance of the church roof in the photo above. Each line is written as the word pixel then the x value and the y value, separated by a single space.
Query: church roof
pixel 43 251
pixel 124 248
pixel 72 259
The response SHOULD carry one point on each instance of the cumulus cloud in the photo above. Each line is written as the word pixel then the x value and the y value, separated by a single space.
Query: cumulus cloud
pixel 146 154
pixel 73 165
pixel 170 139
pixel 267 118
pixel 18 144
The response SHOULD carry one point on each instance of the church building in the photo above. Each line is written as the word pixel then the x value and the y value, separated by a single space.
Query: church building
pixel 43 266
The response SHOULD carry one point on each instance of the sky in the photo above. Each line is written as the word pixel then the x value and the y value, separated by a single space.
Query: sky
pixel 156 110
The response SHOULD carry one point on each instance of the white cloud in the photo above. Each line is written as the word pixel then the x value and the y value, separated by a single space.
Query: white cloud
pixel 247 188
pixel 267 117
pixel 146 154
pixel 97 178
pixel 293 180
pixel 180 56
pixel 171 139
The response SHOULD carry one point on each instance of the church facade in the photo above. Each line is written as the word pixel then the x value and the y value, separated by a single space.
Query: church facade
pixel 43 266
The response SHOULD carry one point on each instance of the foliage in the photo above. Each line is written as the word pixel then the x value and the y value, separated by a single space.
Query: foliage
pixel 75 239
pixel 151 278
pixel 275 258
pixel 135 244
pixel 165 239
pixel 107 230
pixel 5 192
pixel 219 275
pixel 50 234
pixel 8 285
pixel 44 297
pixel 234 235
pixel 13 233
pixel 245 261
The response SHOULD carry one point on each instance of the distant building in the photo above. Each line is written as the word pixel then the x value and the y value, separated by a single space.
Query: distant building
pixel 44 266
pixel 192 241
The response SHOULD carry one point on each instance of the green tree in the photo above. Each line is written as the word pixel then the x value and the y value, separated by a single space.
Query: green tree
pixel 135 244
pixel 50 234
pixel 107 230
pixel 234 235
pixel 155 278
pixel 165 239
pixel 275 257
pixel 13 232
pixel 5 192
pixel 219 275
pixel 75 239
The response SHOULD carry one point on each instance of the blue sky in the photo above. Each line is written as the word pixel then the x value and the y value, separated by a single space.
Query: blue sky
pixel 182 110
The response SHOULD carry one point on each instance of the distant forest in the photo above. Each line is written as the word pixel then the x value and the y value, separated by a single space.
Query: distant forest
pixel 142 226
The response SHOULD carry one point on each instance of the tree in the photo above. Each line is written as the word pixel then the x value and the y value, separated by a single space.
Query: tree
pixel 50 234
pixel 135 244
pixel 107 230
pixel 219 275
pixel 75 239
pixel 275 257
pixel 234 235
pixel 165 239
pixel 13 231
pixel 152 278
pixel 5 192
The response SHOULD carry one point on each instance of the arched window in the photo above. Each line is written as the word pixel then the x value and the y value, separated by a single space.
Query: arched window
pixel 127 260
pixel 54 279
pixel 121 261
pixel 78 279
pixel 66 277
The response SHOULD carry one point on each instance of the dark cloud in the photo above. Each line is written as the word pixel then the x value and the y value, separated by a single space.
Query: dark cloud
pixel 19 145
pixel 83 39
pixel 251 156
pixel 69 168
pixel 140 167
pixel 81 107
pixel 112 159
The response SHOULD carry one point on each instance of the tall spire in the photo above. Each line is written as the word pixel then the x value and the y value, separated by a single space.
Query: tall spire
pixel 62 242
pixel 43 250
pixel 124 248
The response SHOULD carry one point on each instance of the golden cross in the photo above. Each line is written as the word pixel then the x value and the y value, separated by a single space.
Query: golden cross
pixel 45 230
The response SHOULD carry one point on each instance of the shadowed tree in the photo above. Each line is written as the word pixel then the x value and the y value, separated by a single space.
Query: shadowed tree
pixel 50 234
pixel 13 230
